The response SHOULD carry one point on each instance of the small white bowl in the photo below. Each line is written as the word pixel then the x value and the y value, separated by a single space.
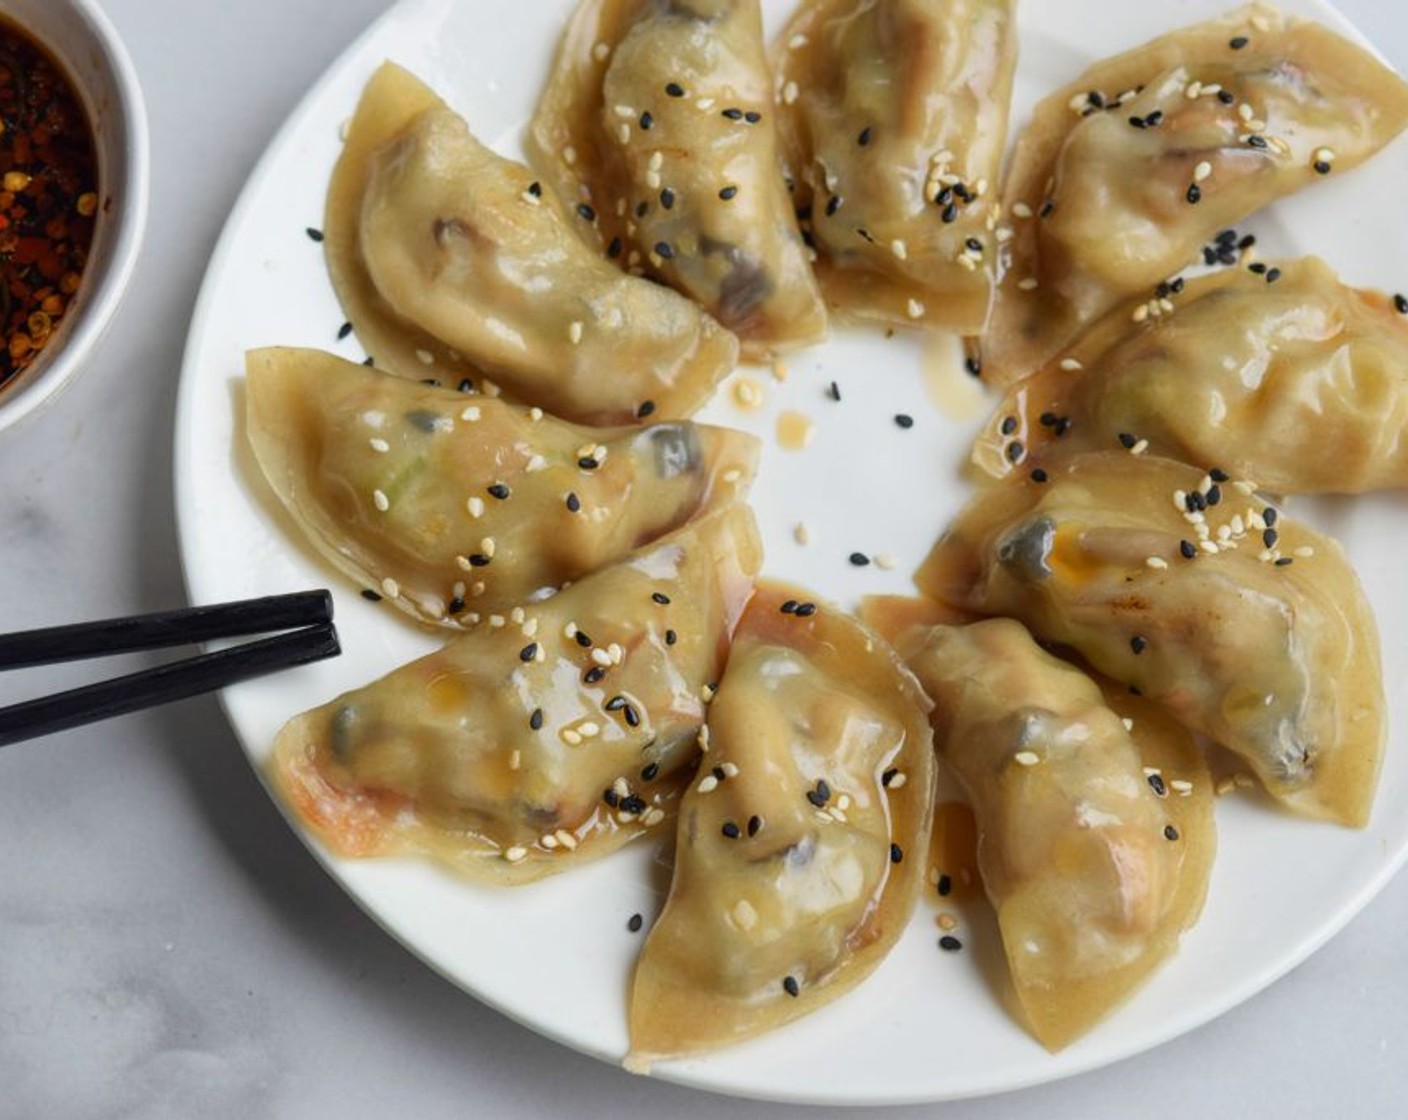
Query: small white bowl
pixel 80 36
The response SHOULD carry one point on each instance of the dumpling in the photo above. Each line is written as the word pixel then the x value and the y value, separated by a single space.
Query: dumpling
pixel 658 123
pixel 557 736
pixel 1095 840
pixel 449 260
pixel 456 507
pixel 1248 627
pixel 1283 375
pixel 1126 172
pixel 895 116
pixel 799 855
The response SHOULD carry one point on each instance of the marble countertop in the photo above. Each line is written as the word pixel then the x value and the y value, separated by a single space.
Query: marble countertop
pixel 167 946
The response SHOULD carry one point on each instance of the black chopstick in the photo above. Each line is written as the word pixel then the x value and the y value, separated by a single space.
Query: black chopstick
pixel 167 628
pixel 166 683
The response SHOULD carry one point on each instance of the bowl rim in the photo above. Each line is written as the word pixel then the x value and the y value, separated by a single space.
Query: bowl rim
pixel 22 400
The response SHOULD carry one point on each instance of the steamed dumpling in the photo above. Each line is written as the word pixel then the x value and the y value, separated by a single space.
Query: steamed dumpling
pixel 895 115
pixel 1095 839
pixel 450 260
pixel 1247 626
pixel 456 507
pixel 799 856
pixel 658 122
pixel 1284 375
pixel 520 750
pixel 1124 174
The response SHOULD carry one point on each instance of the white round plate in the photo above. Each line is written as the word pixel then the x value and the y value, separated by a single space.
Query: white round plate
pixel 557 956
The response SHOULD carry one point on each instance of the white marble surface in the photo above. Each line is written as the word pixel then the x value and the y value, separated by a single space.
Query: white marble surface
pixel 168 948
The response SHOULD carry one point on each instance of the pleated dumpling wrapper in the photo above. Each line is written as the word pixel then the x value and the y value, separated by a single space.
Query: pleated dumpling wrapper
pixel 1249 627
pixel 1095 839
pixel 1124 174
pixel 797 865
pixel 450 260
pixel 894 120
pixel 1284 375
pixel 521 750
pixel 658 121
pixel 457 507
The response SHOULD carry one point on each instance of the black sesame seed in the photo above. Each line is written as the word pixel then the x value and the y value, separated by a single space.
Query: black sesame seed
pixel 1138 644
pixel 465 386
pixel 896 854
pixel 615 704
pixel 974 244
pixel 1039 475
pixel 646 409
pixel 585 212
pixel 1400 304
pixel 754 823
pixel 642 208
pixel 864 138
pixel 752 116
pixel 1046 208
pixel 1269 538
pixel 1225 96
pixel 1096 99
pixel 343 331
pixel 632 716
pixel 962 191
pixel 728 193
pixel 370 595
pixel 635 923
pixel 1015 451
pixel 1269 515
pixel 860 559
pixel 1214 494
pixel 614 249
pixel 588 463
pixel 369 361
pixel 945 886
pixel 455 605
pixel 1137 122
pixel 650 772
pixel 1217 474
pixel 1247 242
pixel 1170 833
pixel 733 114
pixel 1257 267
pixel 1195 193
pixel 1237 43
pixel 835 390
pixel 535 721
pixel 1322 167
pixel 314 234
pixel 1156 783
pixel 1154 118
pixel 1009 425
pixel 593 675
pixel 478 560
pixel 1272 275
pixel 646 120
pixel 889 776
pixel 1209 256
pixel 535 188
pixel 1227 237
pixel 950 213
pixel 950 944
pixel 1063 425
pixel 789 985
pixel 720 774
pixel 805 610
pixel 528 652
pixel 1188 549
pixel 973 365
pixel 731 830
pixel 944 197
pixel 670 637
pixel 904 420
pixel 1135 690
pixel 664 251
pixel 499 490
pixel 1283 561
pixel 674 89
pixel 1176 286
pixel 611 797
pixel 582 640
pixel 824 789
pixel 1047 419
pixel 634 803
pixel 574 503
pixel 1256 141
pixel 789 607
pixel 864 234
pixel 833 204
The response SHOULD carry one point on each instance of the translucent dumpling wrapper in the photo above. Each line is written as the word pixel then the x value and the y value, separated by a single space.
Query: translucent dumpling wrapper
pixel 1284 375
pixel 658 123
pixel 454 263
pixel 455 507
pixel 1125 173
pixel 1095 836
pixel 1247 626
pixel 797 864
pixel 895 117
pixel 519 750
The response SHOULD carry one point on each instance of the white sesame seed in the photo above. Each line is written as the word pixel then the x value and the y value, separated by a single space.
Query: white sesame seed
pixel 571 738
pixel 471 413
pixel 1303 551
pixel 515 760
pixel 1021 210
pixel 1208 546
pixel 898 781
pixel 1026 758
pixel 496 621
pixel 1140 447
pixel 1128 723
pixel 487 546
pixel 744 915
pixel 549 842
pixel 801 534
pixel 708 785
pixel 535 464
pixel 1158 563
pixel 1028 284
pixel 589 729
pixel 789 93
pixel 425 357
pixel 1193 91
pixel 515 854
pixel 1071 364
pixel 884 561
pixel 1141 313
pixel 380 445
pixel 566 839
pixel 1244 110
pixel 574 332
pixel 730 769
pixel 390 588
pixel 601 52
pixel 704 738
pixel 475 506
pixel 914 309
pixel 616 652
pixel 653 816
pixel 601 657
pixel 623 133
pixel 1212 89
pixel 704 104
pixel 1166 305
pixel 899 248
pixel 569 155
pixel 1181 785
pixel 1324 155
pixel 380 500
pixel 657 160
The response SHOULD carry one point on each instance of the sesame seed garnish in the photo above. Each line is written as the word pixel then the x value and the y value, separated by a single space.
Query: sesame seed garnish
pixel 904 420
pixel 535 721
pixel 1195 193
pixel 860 560
pixel 790 986
pixel 731 830
pixel 1156 783
pixel 1026 758
pixel 390 588
pixel 1157 563
pixel 1039 475
pixel 498 490
pixel 864 138
pixel 896 854
pixel 670 637
pixel 1238 42
pixel 515 854
pixel 728 193
pixel 370 595
pixel 1170 833
pixel 314 234
pixel 805 610
pixel 708 784
pixel 650 773
pixel 674 89
pixel 950 944
pixel 380 500
pixel 1028 284
pixel 754 823
pixel 528 652
pixel 914 309
pixel 945 885
pixel 1138 644
pixel 664 250
pixel 1015 450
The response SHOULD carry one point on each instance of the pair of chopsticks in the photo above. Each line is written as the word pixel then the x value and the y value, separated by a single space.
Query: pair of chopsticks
pixel 305 615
